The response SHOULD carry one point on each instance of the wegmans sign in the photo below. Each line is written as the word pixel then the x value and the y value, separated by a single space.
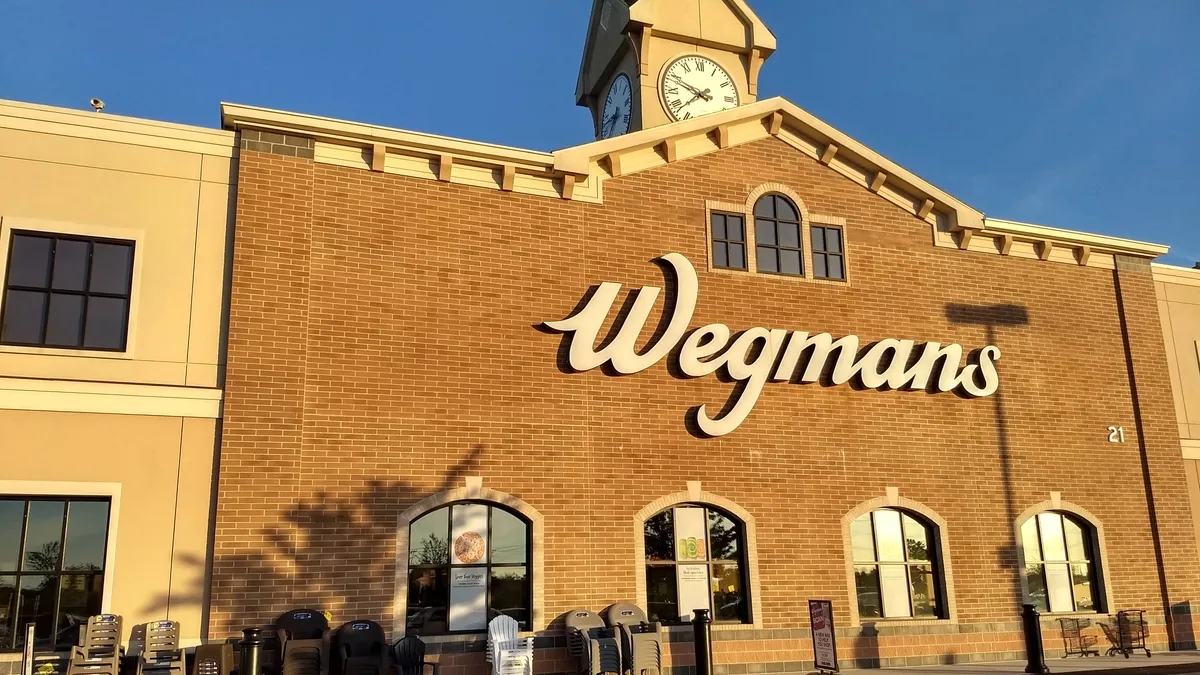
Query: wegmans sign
pixel 760 355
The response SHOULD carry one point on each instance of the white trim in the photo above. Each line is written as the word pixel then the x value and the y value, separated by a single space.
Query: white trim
pixel 109 398
pixel 66 488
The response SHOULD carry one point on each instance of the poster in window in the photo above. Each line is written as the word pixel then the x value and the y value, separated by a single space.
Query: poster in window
pixel 691 534
pixel 1058 587
pixel 820 616
pixel 893 580
pixel 693 589
pixel 468 598
pixel 468 534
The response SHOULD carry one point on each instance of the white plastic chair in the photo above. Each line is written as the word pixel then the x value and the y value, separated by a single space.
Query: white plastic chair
pixel 508 654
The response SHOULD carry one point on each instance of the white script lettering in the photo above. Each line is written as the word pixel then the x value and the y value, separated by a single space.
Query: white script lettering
pixel 758 354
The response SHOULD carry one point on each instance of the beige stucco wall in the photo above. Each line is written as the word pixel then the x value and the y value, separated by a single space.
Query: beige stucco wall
pixel 138 425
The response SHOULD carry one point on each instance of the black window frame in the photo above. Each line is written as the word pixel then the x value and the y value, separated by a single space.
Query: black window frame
pixel 1091 560
pixel 826 255
pixel 49 291
pixel 726 241
pixel 933 551
pixel 742 562
pixel 9 644
pixel 776 249
pixel 448 566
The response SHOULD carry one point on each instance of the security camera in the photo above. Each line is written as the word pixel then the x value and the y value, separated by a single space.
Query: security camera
pixel 97 104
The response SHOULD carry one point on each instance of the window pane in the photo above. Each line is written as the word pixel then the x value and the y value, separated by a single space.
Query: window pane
pixel 833 240
pixel 660 537
pixel 70 265
pixel 893 581
pixel 1082 582
pixel 1058 587
pixel 924 590
pixel 1076 549
pixel 428 595
pixel 1035 576
pixel 43 536
pixel 784 209
pixel 64 320
pixel 729 601
pixel 916 538
pixel 8 610
pixel 888 536
pixel 737 256
pixel 718 226
pixel 765 207
pixel 764 231
pixel 861 539
pixel 1029 541
pixel 691 534
pixel 36 605
pixel 766 259
pixel 789 262
pixel 12 522
pixel 509 537
pixel 79 598
pixel 720 259
pixel 735 230
pixel 818 238
pixel 725 537
pixel 662 604
pixel 819 270
pixel 23 317
pixel 87 527
pixel 510 594
pixel 835 267
pixel 427 543
pixel 866 583
pixel 111 268
pixel 789 235
pixel 106 321
pixel 1053 545
pixel 29 264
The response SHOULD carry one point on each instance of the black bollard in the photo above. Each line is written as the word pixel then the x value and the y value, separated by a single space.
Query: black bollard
pixel 702 636
pixel 250 652
pixel 1032 625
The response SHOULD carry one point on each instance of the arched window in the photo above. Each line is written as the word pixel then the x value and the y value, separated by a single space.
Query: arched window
pixel 896 570
pixel 778 247
pixel 1060 562
pixel 467 563
pixel 696 559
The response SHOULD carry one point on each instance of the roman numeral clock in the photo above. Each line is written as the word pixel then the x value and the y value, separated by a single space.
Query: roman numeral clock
pixel 652 62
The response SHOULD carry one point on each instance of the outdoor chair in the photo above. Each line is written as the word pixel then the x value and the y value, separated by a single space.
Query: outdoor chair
pixel 99 651
pixel 508 653
pixel 161 652
pixel 213 659
pixel 361 648
pixel 592 643
pixel 641 643
pixel 1074 641
pixel 410 656
pixel 303 642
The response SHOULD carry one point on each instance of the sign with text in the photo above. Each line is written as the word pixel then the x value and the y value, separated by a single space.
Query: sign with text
pixel 468 598
pixel 820 617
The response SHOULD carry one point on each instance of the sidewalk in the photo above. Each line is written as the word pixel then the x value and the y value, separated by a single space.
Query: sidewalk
pixel 1161 663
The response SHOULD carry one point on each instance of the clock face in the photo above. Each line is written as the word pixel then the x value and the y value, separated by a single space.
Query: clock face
pixel 693 85
pixel 618 107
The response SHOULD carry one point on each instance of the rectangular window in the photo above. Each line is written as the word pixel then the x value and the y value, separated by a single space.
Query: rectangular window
pixel 828 257
pixel 778 247
pixel 52 553
pixel 728 241
pixel 67 291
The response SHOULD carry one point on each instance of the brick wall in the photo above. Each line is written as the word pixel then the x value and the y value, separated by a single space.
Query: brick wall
pixel 384 345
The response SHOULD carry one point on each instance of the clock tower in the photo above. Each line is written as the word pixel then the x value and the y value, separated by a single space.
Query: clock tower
pixel 653 62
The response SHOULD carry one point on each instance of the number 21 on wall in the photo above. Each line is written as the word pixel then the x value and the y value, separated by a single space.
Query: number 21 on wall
pixel 1116 434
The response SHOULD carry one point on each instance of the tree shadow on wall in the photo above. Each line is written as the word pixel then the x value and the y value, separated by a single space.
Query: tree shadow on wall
pixel 324 549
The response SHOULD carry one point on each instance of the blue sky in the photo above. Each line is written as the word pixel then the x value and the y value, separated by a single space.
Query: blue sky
pixel 1083 114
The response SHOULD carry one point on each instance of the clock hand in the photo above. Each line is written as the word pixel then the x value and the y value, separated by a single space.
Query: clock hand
pixel 686 85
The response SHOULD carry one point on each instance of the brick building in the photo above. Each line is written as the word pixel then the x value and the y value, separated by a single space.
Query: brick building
pixel 927 416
